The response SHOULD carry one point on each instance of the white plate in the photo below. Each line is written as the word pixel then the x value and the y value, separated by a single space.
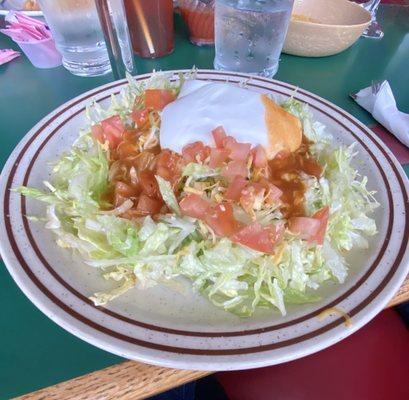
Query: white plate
pixel 162 326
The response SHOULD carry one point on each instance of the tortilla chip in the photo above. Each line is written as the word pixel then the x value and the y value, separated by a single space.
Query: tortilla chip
pixel 284 129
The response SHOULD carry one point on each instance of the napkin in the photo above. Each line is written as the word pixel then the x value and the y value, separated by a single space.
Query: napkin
pixel 34 39
pixel 382 106
pixel 7 55
pixel 25 29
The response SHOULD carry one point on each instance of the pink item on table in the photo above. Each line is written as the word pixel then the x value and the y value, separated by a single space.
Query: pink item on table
pixel 41 53
pixel 34 38
pixel 7 55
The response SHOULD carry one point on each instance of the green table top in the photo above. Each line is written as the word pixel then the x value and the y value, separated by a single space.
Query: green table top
pixel 35 352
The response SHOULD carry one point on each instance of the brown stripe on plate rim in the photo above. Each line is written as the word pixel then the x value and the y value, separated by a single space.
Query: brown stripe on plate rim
pixel 193 333
pixel 391 272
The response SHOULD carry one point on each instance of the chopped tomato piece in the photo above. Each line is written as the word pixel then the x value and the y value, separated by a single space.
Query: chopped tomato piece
pixel 234 168
pixel 140 117
pixel 141 161
pixel 130 135
pixel 238 151
pixel 164 173
pixel 149 184
pixel 169 165
pixel 219 135
pixel 221 219
pixel 307 228
pixel 259 156
pixel 252 196
pixel 218 157
pixel 113 129
pixel 312 229
pixel 98 133
pixel 194 206
pixel 158 98
pixel 258 237
pixel 113 124
pixel 195 152
pixel 123 192
pixel 276 232
pixel 148 206
pixel 272 191
pixel 234 189
pixel 322 216
pixel 126 149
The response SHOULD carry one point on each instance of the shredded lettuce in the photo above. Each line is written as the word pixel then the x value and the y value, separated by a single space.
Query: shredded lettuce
pixel 168 195
pixel 199 171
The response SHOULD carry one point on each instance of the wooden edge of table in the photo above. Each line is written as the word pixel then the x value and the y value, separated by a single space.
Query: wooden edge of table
pixel 133 380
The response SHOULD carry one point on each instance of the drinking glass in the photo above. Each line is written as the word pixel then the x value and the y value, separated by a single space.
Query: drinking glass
pixel 150 25
pixel 373 31
pixel 249 34
pixel 78 36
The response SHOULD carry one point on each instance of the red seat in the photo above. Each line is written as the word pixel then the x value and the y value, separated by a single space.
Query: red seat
pixel 371 364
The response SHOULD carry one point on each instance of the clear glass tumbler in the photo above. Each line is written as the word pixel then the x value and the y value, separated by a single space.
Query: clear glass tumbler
pixel 249 34
pixel 78 35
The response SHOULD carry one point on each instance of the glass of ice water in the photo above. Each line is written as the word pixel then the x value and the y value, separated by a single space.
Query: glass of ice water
pixel 78 36
pixel 249 34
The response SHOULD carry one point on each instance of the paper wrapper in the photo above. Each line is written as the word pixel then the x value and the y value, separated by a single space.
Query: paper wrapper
pixel 382 106
pixel 7 55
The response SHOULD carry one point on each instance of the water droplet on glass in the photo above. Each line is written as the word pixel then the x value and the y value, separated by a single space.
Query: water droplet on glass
pixel 250 56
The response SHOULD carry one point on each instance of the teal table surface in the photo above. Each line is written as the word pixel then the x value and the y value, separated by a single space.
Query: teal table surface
pixel 34 351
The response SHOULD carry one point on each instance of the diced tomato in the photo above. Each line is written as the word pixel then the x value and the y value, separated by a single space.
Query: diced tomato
pixel 141 161
pixel 276 232
pixel 229 141
pixel 130 135
pixel 322 216
pixel 312 229
pixel 218 136
pixel 221 219
pixel 148 206
pixel 169 165
pixel 252 196
pixel 234 168
pixel 113 129
pixel 158 98
pixel 140 117
pixel 164 173
pixel 149 184
pixel 123 192
pixel 272 191
pixel 126 149
pixel 238 151
pixel 218 157
pixel 195 151
pixel 235 187
pixel 307 228
pixel 258 237
pixel 259 156
pixel 98 133
pixel 194 206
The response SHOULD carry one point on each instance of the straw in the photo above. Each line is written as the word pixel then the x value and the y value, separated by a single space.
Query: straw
pixel 144 26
